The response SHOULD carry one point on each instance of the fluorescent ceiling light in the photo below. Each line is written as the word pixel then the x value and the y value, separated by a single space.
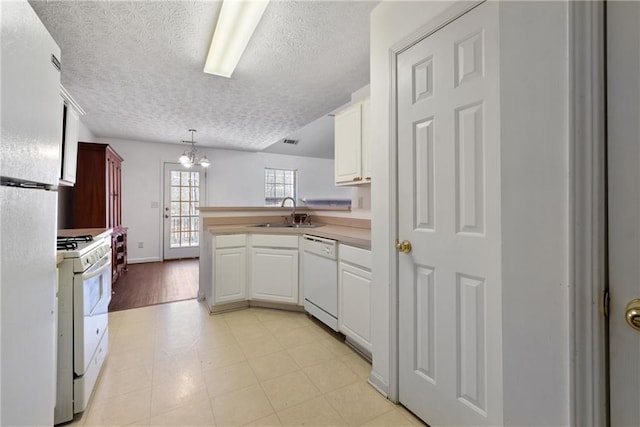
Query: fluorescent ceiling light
pixel 237 21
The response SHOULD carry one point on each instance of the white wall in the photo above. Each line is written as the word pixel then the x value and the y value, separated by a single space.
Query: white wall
pixel 235 178
pixel 535 171
pixel 84 134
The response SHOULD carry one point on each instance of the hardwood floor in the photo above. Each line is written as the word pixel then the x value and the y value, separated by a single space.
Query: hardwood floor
pixel 155 283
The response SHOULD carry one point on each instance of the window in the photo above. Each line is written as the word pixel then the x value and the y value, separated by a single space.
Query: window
pixel 278 184
pixel 185 198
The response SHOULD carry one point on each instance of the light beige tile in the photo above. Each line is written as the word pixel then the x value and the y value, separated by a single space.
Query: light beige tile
pixel 269 314
pixel 221 356
pixel 331 375
pixel 116 383
pixel 214 338
pixel 240 317
pixel 357 364
pixel 289 390
pixel 394 418
pixel 122 360
pixel 315 412
pixel 273 365
pixel 249 330
pixel 175 392
pixel 241 407
pixel 134 343
pixel 358 403
pixel 336 346
pixel 178 370
pixel 260 346
pixel 120 410
pixel 310 354
pixel 140 423
pixel 299 336
pixel 193 412
pixel 229 378
pixel 269 421
pixel 283 324
pixel 412 418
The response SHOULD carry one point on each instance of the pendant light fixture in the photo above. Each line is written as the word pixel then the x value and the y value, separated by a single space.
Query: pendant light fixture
pixel 190 156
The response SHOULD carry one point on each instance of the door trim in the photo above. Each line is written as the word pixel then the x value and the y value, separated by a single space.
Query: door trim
pixel 449 15
pixel 588 207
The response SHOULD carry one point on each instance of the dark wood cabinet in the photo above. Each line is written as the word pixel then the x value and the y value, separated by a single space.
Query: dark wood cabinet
pixel 95 201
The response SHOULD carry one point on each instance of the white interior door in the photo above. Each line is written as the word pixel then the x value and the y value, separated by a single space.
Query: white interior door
pixel 184 188
pixel 450 331
pixel 623 116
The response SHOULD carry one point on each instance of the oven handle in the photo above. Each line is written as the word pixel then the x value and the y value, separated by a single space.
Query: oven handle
pixel 98 268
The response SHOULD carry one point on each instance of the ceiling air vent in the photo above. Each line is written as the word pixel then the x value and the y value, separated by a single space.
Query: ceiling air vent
pixel 290 141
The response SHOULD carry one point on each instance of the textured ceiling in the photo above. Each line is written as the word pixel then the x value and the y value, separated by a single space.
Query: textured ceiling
pixel 136 68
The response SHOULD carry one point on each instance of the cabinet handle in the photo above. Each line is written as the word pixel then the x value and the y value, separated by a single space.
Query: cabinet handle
pixel 368 178
pixel 357 178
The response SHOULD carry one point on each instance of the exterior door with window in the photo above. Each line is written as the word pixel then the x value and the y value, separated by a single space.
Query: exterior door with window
pixel 183 190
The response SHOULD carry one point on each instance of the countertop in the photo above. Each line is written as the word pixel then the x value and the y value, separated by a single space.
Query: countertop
pixel 360 237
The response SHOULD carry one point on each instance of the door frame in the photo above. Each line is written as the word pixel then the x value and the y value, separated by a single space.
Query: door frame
pixel 587 215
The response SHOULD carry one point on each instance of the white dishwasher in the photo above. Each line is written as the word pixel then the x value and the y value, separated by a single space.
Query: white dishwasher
pixel 320 279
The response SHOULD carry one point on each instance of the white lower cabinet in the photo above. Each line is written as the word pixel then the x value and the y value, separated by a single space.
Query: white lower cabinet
pixel 354 295
pixel 274 268
pixel 230 269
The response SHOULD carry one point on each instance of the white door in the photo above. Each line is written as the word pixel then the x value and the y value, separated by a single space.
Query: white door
pixel 183 190
pixel 274 275
pixel 623 92
pixel 450 354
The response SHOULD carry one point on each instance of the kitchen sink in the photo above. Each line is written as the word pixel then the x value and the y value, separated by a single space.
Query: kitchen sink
pixel 289 225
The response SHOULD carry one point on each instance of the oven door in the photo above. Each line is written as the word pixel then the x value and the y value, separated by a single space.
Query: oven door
pixel 91 292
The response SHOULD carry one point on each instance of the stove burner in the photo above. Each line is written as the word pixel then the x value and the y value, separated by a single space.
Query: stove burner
pixel 84 238
pixel 71 242
pixel 67 245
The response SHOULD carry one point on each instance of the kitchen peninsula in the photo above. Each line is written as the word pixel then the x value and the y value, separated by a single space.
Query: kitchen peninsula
pixel 255 256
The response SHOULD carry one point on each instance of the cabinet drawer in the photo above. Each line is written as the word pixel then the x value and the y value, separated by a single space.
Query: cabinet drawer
pixel 231 241
pixel 356 256
pixel 274 240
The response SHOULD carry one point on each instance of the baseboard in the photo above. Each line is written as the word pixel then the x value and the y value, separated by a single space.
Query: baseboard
pixel 142 260
pixel 377 382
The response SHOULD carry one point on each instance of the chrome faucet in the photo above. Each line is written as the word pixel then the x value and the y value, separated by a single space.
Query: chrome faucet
pixel 293 212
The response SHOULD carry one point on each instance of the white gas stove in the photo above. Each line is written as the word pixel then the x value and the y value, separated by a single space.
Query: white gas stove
pixel 83 301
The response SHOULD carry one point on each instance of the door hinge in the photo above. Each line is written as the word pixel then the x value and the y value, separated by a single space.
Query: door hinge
pixel 604 304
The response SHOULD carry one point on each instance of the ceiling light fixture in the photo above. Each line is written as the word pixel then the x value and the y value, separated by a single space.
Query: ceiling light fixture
pixel 237 21
pixel 190 157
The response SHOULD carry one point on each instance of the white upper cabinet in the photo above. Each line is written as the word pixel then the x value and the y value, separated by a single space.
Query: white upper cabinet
pixel 71 113
pixel 352 160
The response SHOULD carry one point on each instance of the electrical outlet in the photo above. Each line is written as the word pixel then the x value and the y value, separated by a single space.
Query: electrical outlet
pixel 154 205
pixel 140 245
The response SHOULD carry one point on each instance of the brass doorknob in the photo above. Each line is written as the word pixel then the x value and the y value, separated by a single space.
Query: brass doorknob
pixel 404 246
pixel 632 314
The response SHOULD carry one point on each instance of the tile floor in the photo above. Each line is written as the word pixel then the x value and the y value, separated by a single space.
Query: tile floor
pixel 174 364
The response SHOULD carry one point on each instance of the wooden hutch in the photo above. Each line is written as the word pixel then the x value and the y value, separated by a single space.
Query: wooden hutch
pixel 95 201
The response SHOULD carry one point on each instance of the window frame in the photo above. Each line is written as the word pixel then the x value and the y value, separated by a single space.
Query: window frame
pixel 273 199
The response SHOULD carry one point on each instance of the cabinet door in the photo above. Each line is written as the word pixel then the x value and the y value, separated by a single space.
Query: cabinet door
pixel 354 304
pixel 348 151
pixel 230 277
pixel 274 275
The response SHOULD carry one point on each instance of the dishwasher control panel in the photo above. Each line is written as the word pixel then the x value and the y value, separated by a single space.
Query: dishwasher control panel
pixel 320 246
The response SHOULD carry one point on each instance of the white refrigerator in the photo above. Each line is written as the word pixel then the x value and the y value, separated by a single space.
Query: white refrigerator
pixel 31 130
